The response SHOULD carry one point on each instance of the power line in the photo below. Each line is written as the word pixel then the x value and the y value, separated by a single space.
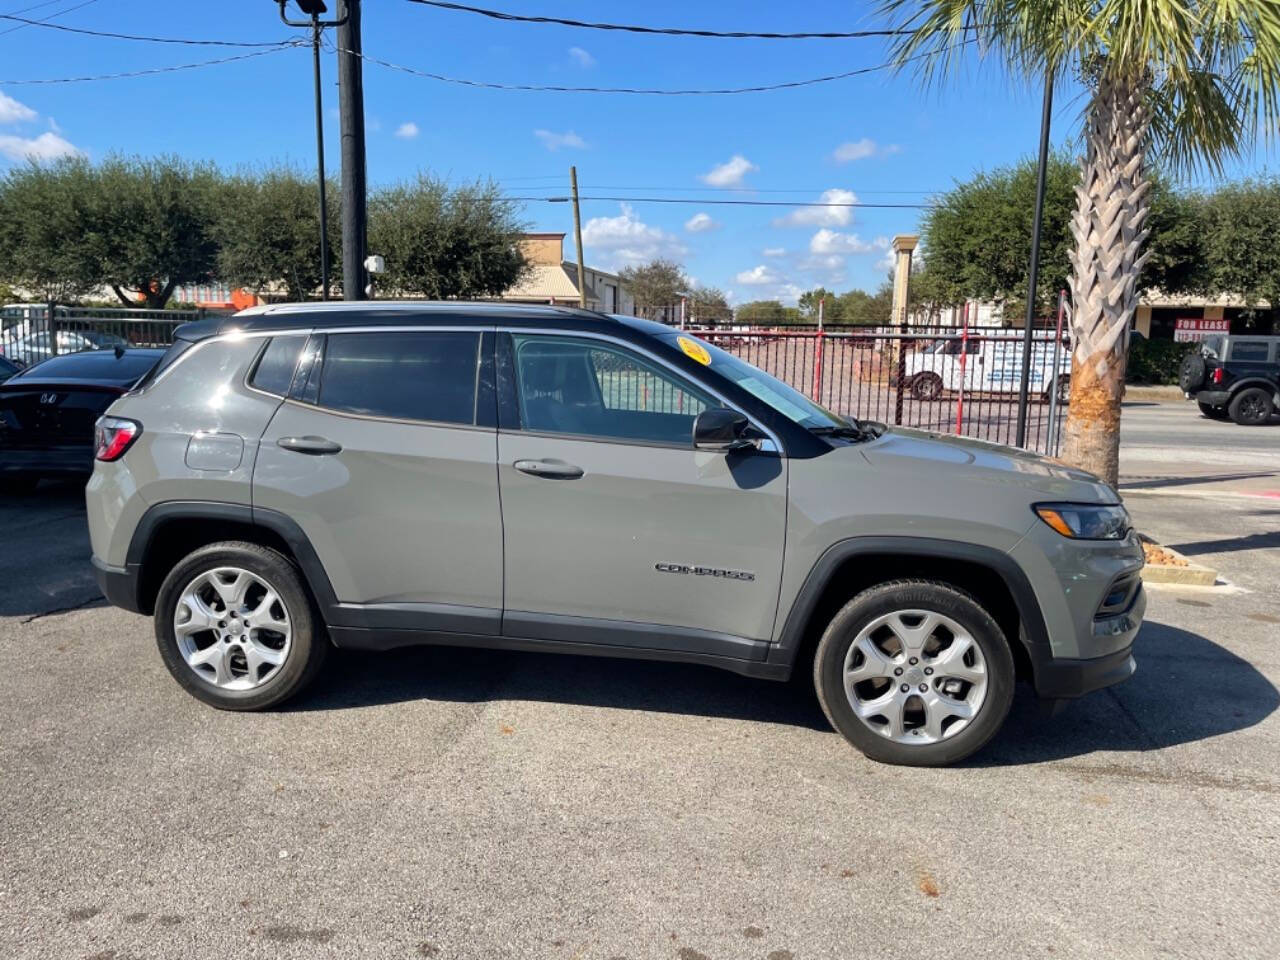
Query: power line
pixel 131 36
pixel 664 31
pixel 286 45
pixel 56 13
pixel 549 88
pixel 733 203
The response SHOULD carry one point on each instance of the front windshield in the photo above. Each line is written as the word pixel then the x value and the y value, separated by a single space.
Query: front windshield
pixel 788 401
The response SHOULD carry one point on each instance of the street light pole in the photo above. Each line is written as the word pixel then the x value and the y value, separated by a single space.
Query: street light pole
pixel 324 207
pixel 1034 271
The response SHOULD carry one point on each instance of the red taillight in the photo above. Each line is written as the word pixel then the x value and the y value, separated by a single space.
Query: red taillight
pixel 1217 375
pixel 112 436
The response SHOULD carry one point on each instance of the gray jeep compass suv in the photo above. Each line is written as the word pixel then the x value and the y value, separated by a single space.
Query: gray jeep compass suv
pixel 544 478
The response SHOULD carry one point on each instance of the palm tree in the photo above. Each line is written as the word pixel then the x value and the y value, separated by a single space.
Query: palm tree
pixel 1191 83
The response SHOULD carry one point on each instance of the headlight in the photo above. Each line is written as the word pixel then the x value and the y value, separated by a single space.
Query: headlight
pixel 1086 521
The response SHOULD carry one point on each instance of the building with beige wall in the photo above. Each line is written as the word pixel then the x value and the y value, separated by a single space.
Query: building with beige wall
pixel 552 279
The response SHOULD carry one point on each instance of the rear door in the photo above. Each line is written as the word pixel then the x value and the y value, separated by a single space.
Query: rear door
pixel 617 530
pixel 384 454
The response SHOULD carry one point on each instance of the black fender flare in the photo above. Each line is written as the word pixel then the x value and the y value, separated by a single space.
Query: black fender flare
pixel 1035 636
pixel 283 526
pixel 1251 382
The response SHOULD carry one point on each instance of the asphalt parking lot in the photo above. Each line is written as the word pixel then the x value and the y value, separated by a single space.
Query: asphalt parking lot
pixel 445 803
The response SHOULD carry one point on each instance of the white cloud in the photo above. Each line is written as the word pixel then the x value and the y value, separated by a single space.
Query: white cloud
pixel 774 251
pixel 53 125
pixel 700 223
pixel 759 276
pixel 822 216
pixel 558 141
pixel 822 262
pixel 47 146
pixel 581 58
pixel 407 130
pixel 730 173
pixel 626 240
pixel 861 149
pixel 885 262
pixel 829 241
pixel 11 111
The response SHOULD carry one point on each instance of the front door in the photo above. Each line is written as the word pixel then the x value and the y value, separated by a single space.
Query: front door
pixel 616 529
pixel 384 454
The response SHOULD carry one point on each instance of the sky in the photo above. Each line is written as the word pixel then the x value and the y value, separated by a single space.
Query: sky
pixel 881 137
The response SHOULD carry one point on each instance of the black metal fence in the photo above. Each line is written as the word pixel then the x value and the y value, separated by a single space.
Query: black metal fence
pixel 30 333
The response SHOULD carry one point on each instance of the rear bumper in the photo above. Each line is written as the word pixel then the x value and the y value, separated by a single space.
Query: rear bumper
pixel 1214 398
pixel 53 461
pixel 1058 678
pixel 118 584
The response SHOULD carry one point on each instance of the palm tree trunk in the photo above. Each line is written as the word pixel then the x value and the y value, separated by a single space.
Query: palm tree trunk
pixel 1109 226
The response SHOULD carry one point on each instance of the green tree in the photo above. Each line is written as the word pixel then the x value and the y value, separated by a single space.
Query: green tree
pixel 761 311
pixel 152 223
pixel 1240 253
pixel 658 283
pixel 268 232
pixel 1191 82
pixel 441 243
pixel 47 243
pixel 708 303
pixel 866 309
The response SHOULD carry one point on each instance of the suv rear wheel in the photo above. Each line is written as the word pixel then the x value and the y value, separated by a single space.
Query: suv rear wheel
pixel 1251 407
pixel 914 672
pixel 235 627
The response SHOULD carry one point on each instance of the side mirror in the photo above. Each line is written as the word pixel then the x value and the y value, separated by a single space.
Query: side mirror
pixel 721 430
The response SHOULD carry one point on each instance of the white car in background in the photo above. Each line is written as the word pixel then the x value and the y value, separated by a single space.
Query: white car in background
pixel 986 363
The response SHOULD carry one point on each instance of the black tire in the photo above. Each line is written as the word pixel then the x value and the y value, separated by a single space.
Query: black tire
pixel 1251 407
pixel 926 386
pixel 1191 376
pixel 308 645
pixel 829 661
pixel 1210 411
pixel 17 484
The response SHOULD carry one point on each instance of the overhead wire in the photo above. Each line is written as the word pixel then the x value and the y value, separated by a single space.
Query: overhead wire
pixel 663 31
pixel 151 71
pixel 56 13
pixel 133 36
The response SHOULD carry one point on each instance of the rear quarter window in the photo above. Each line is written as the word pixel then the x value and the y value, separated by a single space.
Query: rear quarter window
pixel 274 370
pixel 1250 350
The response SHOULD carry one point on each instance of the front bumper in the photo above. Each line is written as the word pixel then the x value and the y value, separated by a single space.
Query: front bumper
pixel 1059 678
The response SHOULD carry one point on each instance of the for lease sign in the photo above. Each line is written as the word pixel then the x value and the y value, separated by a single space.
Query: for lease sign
pixel 1195 328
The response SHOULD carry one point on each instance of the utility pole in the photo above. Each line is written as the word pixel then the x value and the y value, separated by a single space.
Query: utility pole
pixel 324 212
pixel 354 186
pixel 1034 271
pixel 577 238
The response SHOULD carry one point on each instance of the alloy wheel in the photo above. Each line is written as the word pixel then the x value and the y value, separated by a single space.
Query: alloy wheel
pixel 232 627
pixel 915 676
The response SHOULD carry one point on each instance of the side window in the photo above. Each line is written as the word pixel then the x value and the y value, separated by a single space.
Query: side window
pixel 274 371
pixel 1249 350
pixel 973 345
pixel 414 375
pixel 587 388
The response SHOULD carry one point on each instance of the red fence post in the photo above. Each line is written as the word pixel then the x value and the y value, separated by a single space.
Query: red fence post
pixel 964 352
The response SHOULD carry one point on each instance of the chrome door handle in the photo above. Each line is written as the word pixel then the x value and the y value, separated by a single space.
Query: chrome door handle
pixel 551 469
pixel 314 446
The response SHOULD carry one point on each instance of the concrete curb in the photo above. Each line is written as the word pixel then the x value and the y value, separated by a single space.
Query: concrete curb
pixel 1192 575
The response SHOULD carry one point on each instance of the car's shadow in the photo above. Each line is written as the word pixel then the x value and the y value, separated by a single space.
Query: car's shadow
pixel 1187 688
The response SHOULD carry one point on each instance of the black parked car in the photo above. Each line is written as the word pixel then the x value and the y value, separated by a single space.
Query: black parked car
pixel 8 368
pixel 48 410
pixel 1234 376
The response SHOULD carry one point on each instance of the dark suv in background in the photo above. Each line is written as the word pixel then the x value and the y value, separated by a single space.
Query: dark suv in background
pixel 1234 376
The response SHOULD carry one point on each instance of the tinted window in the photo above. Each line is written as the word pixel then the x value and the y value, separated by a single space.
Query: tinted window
pixel 585 388
pixel 275 368
pixel 1249 349
pixel 409 376
pixel 96 366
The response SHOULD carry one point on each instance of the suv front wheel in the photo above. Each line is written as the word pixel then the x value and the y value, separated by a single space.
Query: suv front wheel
pixel 914 672
pixel 235 627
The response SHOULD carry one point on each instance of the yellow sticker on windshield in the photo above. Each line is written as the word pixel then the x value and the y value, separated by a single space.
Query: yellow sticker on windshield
pixel 693 348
